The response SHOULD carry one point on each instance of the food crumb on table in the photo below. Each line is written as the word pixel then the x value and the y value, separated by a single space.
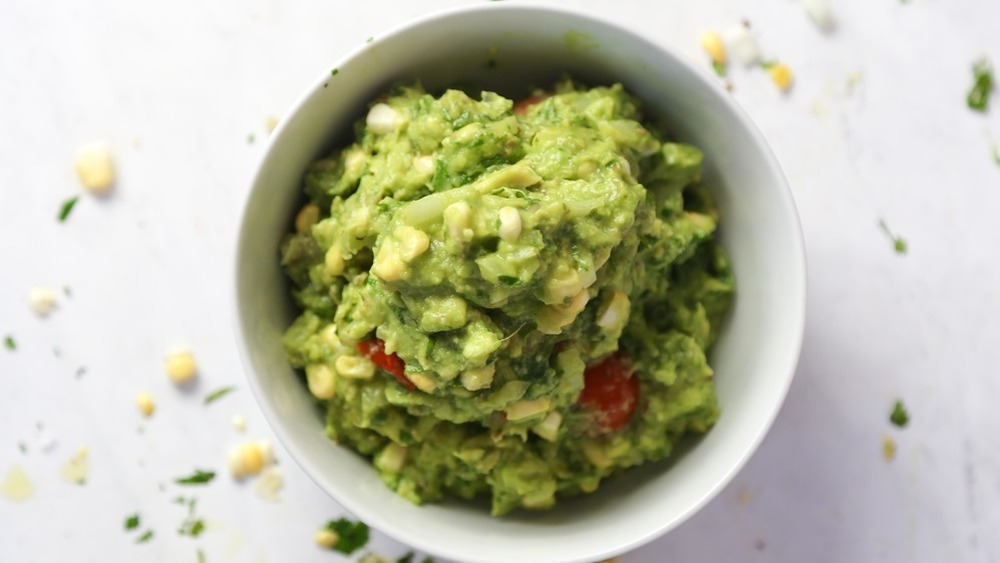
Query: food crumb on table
pixel 42 301
pixel 239 423
pixel 250 458
pixel 76 469
pixel 888 448
pixel 180 366
pixel 16 485
pixel 144 402
pixel 95 167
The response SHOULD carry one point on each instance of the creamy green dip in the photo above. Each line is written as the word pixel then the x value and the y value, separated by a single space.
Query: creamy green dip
pixel 513 302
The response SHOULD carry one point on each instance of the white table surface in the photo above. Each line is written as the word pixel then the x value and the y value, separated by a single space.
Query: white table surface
pixel 876 127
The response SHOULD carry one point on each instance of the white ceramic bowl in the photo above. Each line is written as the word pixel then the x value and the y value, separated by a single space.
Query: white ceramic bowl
pixel 754 359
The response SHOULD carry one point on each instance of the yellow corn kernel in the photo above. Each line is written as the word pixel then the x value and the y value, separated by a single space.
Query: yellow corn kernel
pixel 326 538
pixel 144 402
pixel 355 367
pixel 95 168
pixel 249 458
pixel 712 44
pixel 306 218
pixel 320 380
pixel 781 75
pixel 180 366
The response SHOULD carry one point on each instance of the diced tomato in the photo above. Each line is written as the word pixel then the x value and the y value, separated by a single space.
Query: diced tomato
pixel 374 350
pixel 610 393
pixel 521 107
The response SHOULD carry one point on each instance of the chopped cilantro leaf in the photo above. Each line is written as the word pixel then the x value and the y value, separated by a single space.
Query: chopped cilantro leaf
pixel 132 522
pixel 201 556
pixel 250 138
pixel 766 65
pixel 145 537
pixel 720 68
pixel 898 242
pixel 23 447
pixel 352 535
pixel 192 528
pixel 408 558
pixel 996 154
pixel 979 96
pixel 199 477
pixel 9 343
pixel 218 394
pixel 335 72
pixel 900 417
pixel 66 208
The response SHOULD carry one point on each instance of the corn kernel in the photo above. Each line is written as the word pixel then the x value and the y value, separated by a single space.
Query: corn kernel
pixel 326 538
pixel 181 367
pixel 42 301
pixel 781 75
pixel 478 378
pixel 383 119
pixel 320 380
pixel 94 167
pixel 712 44
pixel 144 402
pixel 249 458
pixel 355 367
pixel 412 243
pixel 527 408
pixel 306 218
pixel 548 428
pixel 239 423
pixel 510 224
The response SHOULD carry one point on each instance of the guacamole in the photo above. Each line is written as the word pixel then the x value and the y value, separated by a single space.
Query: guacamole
pixel 512 300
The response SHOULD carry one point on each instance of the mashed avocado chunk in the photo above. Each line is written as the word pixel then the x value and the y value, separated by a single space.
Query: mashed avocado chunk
pixel 507 300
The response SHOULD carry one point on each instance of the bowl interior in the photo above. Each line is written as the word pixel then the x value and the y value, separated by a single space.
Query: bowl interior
pixel 511 48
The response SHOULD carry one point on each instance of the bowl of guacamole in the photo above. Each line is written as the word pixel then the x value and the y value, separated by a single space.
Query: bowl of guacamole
pixel 534 298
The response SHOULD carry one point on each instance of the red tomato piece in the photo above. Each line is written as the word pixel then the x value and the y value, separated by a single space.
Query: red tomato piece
pixel 374 350
pixel 521 106
pixel 610 393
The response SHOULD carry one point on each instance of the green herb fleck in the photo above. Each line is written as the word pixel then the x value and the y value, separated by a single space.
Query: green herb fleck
pixel 9 343
pixel 201 556
pixel 370 39
pixel 979 96
pixel 428 559
pixel 335 72
pixel 145 537
pixel 66 208
pixel 23 447
pixel 898 242
pixel 720 68
pixel 250 138
pixel 352 535
pixel 192 528
pixel 996 154
pixel 67 291
pixel 132 522
pixel 199 477
pixel 509 280
pixel 218 394
pixel 408 558
pixel 900 417
pixel 766 65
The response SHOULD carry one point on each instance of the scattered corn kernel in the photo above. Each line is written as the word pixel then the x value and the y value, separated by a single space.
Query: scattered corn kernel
pixel 250 458
pixel 181 367
pixel 743 44
pixel 781 75
pixel 820 13
pixel 888 448
pixel 326 538
pixel 424 164
pixel 422 382
pixel 712 44
pixel 42 301
pixel 388 265
pixel 239 423
pixel 269 485
pixel 144 402
pixel 75 470
pixel 549 427
pixel 270 124
pixel 526 408
pixel 392 458
pixel 306 218
pixel 94 167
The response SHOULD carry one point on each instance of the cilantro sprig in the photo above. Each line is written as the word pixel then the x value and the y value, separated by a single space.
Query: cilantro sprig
pixel 67 208
pixel 199 477
pixel 982 75
pixel 218 394
pixel 899 415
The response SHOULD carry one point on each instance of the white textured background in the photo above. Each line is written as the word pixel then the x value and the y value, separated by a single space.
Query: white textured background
pixel 876 126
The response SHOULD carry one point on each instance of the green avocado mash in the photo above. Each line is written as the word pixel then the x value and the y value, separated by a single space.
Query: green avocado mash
pixel 513 301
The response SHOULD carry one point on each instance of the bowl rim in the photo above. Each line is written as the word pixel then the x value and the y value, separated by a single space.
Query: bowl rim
pixel 783 194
